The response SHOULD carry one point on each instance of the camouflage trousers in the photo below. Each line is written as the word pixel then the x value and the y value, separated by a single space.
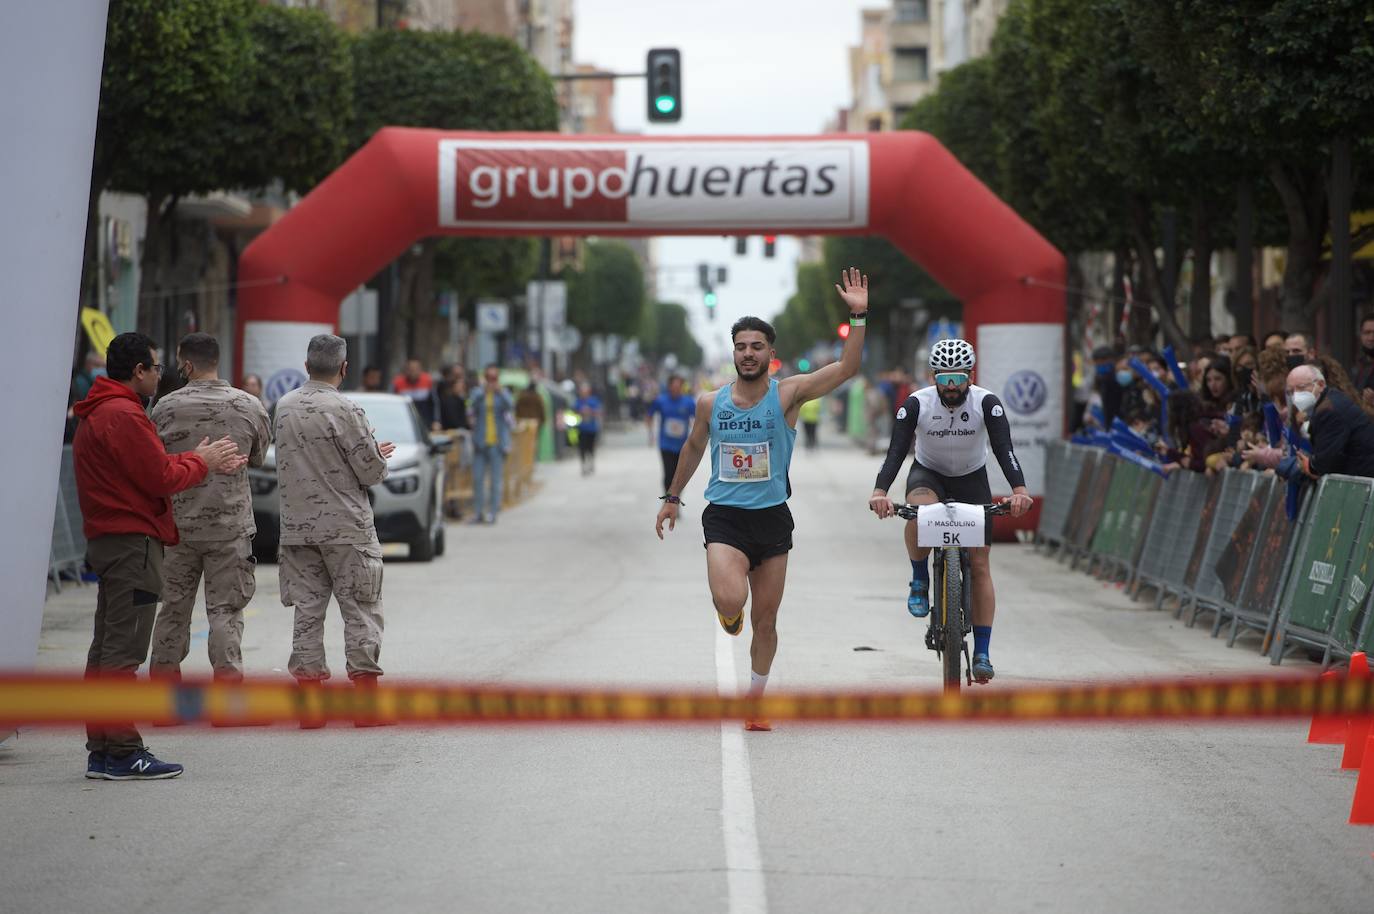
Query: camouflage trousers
pixel 228 568
pixel 352 574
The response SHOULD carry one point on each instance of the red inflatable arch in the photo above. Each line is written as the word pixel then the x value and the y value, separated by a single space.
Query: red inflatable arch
pixel 407 184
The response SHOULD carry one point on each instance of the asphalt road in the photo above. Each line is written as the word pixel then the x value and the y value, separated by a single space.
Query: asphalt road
pixel 573 588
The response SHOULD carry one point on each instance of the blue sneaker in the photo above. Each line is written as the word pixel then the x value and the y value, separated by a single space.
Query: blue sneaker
pixel 95 766
pixel 140 766
pixel 981 668
pixel 918 601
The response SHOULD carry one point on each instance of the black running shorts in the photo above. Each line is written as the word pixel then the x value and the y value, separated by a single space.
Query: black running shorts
pixel 760 533
pixel 972 489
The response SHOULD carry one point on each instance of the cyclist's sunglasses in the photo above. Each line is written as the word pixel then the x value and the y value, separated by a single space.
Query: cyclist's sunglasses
pixel 950 378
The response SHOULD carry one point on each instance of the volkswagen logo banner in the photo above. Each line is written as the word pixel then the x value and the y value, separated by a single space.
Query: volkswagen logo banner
pixel 1023 364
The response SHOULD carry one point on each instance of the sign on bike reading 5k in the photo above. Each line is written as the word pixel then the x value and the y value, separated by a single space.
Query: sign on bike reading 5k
pixel 951 525
pixel 537 183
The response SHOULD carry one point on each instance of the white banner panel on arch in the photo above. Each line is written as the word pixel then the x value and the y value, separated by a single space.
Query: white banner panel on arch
pixel 1023 364
pixel 724 183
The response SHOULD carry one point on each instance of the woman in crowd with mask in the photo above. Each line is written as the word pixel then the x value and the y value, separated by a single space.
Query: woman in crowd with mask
pixel 1249 396
pixel 1132 389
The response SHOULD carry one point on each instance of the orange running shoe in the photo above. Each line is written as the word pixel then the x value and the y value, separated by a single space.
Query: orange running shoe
pixel 731 626
pixel 758 724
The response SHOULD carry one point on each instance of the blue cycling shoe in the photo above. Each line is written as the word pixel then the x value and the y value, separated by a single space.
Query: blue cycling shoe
pixel 918 601
pixel 981 668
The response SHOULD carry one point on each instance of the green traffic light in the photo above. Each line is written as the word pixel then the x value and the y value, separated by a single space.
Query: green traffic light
pixel 665 104
pixel 710 299
pixel 803 365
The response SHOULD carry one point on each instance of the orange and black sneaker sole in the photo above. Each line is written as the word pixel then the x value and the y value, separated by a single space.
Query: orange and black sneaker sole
pixel 731 626
pixel 758 724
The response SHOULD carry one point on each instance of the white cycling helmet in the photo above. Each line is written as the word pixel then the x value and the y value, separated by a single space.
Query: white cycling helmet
pixel 951 355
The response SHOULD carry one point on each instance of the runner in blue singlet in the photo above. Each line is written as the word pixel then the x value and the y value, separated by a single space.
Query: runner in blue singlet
pixel 674 409
pixel 750 426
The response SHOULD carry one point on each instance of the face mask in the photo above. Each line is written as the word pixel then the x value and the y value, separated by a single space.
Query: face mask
pixel 1295 360
pixel 1104 371
pixel 1304 401
pixel 1124 378
pixel 98 372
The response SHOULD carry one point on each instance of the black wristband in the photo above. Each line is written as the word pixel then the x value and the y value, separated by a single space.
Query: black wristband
pixel 858 317
pixel 670 499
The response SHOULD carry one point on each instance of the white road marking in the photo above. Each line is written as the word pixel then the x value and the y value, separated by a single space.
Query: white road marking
pixel 743 861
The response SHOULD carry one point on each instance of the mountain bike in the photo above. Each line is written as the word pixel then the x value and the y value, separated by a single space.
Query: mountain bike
pixel 951 592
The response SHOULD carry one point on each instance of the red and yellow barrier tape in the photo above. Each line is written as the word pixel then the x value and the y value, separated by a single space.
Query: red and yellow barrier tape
pixel 69 700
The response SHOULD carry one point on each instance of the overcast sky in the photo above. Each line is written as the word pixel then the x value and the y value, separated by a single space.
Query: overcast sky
pixel 749 67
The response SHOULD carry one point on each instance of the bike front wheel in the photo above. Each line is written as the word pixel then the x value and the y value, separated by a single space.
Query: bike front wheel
pixel 951 618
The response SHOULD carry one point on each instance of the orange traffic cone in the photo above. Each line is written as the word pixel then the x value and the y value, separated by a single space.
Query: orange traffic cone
pixel 1357 733
pixel 1327 728
pixel 1362 809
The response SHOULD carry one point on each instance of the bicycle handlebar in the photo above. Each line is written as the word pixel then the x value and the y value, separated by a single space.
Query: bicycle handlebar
pixel 909 511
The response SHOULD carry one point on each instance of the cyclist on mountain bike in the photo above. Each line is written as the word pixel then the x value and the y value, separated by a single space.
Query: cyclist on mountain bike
pixel 957 421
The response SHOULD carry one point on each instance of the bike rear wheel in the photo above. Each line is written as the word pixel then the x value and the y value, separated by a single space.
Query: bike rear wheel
pixel 951 618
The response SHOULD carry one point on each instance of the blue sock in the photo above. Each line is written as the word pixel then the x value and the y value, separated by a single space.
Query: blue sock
pixel 920 571
pixel 982 634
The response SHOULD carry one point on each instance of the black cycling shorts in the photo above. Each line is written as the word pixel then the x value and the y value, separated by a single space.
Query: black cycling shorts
pixel 972 488
pixel 760 533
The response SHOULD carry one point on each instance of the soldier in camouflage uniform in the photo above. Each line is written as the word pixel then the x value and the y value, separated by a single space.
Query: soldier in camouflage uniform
pixel 214 518
pixel 327 457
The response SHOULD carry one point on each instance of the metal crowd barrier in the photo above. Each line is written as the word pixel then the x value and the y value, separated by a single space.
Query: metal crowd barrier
pixel 1325 602
pixel 1223 545
pixel 1205 591
pixel 68 551
pixel 1063 465
pixel 1172 533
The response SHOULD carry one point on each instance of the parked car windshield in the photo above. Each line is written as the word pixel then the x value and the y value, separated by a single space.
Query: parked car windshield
pixel 393 420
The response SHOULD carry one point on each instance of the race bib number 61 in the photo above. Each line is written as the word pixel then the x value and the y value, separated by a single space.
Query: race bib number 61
pixel 951 525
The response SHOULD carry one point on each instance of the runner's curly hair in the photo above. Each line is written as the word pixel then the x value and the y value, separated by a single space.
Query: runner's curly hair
pixel 754 323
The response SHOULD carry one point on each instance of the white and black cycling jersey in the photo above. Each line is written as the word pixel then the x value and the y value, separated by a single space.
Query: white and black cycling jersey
pixel 952 442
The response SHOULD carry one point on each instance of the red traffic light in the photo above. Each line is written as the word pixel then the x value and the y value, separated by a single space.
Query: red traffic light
pixel 775 366
pixel 843 331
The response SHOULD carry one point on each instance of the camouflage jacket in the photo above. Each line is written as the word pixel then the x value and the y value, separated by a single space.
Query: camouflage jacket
pixel 327 456
pixel 221 507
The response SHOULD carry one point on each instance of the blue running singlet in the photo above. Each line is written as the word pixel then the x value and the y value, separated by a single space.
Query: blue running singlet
pixel 751 450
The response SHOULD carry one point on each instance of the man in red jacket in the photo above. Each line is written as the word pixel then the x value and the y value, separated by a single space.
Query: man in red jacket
pixel 124 478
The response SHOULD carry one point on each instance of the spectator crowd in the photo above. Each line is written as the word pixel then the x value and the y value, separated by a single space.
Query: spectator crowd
pixel 1277 406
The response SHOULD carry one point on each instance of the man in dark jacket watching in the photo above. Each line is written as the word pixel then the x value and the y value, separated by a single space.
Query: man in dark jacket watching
pixel 124 480
pixel 1342 433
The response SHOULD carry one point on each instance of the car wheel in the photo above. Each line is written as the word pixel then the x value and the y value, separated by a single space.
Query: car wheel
pixel 439 542
pixel 422 547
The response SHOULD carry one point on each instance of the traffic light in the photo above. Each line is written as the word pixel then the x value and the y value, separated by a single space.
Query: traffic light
pixel 720 275
pixel 741 245
pixel 664 69
pixel 843 331
pixel 803 365
pixel 710 298
pixel 769 241
pixel 704 275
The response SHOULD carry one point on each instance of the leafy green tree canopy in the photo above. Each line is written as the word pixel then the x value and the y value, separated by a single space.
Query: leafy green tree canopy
pixel 607 294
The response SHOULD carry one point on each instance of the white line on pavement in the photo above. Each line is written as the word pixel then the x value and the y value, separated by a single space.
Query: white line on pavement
pixel 743 861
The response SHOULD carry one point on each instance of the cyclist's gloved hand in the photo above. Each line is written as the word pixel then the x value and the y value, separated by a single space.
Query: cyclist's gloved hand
pixel 880 504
